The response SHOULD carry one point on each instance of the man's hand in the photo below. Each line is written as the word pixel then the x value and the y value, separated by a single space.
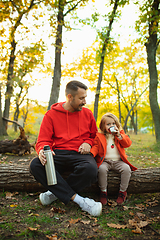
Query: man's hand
pixel 84 148
pixel 42 157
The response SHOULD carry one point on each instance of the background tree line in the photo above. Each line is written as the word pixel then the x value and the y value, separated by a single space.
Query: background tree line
pixel 123 79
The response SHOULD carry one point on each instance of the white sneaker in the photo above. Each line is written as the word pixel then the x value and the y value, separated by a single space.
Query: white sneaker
pixel 92 207
pixel 47 198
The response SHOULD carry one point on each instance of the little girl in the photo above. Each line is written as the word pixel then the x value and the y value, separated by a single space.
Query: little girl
pixel 108 149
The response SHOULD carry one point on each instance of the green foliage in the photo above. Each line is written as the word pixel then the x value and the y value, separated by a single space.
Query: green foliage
pixel 147 15
pixel 128 66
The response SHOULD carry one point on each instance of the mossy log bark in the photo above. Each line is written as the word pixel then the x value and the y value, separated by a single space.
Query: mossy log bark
pixel 18 178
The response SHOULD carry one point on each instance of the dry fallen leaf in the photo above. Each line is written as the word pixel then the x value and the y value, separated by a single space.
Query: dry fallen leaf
pixel 32 229
pixel 52 237
pixel 34 214
pixel 137 230
pixel 91 237
pixel 131 213
pixel 85 221
pixel 140 206
pixel 125 208
pixel 138 225
pixel 116 225
pixel 112 203
pixel 132 223
pixel 153 203
pixel 140 215
pixel 143 224
pixel 57 210
pixel 9 195
pixel 73 221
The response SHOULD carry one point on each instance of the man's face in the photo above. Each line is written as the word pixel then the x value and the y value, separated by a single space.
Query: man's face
pixel 79 100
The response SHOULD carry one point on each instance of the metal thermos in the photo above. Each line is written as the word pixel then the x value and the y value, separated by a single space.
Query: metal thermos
pixel 49 166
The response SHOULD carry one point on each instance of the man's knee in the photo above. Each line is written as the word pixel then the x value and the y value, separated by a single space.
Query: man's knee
pixel 91 170
pixel 33 165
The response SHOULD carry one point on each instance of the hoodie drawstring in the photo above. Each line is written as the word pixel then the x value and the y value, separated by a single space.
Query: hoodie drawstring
pixel 79 129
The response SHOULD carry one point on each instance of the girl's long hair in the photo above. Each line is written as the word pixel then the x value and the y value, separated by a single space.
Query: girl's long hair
pixel 103 122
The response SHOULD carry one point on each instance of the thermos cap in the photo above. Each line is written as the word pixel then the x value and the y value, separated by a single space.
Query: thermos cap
pixel 46 147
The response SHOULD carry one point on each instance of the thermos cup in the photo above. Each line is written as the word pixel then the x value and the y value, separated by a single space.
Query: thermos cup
pixel 112 130
pixel 49 166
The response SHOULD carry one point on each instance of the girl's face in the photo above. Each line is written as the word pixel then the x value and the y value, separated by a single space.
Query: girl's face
pixel 110 123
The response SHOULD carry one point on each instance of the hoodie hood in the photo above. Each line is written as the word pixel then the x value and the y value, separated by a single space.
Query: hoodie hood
pixel 58 107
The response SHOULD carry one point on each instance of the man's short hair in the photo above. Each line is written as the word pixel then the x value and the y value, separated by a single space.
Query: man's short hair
pixel 72 87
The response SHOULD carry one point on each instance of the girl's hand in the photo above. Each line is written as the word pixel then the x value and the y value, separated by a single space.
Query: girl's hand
pixel 118 135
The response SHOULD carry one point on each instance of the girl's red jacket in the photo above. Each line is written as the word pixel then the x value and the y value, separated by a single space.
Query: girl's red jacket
pixel 100 147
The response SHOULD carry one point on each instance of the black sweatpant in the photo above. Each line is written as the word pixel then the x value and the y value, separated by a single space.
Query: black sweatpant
pixel 83 170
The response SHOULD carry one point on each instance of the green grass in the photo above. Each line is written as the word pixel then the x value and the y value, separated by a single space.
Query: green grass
pixel 144 151
pixel 19 220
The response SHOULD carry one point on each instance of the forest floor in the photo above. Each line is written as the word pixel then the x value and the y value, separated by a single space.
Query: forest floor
pixel 23 217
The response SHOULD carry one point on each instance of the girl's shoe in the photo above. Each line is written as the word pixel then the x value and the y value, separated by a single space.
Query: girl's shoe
pixel 103 197
pixel 121 197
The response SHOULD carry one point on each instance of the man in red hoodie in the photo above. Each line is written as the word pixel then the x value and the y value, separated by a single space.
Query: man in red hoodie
pixel 69 129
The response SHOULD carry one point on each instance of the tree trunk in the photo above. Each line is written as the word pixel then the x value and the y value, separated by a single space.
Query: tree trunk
pixel 57 65
pixel 106 41
pixel 10 80
pixel 129 112
pixel 133 122
pixel 15 177
pixel 119 99
pixel 1 121
pixel 9 86
pixel 151 47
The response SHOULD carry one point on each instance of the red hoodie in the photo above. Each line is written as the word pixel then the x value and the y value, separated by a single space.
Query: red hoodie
pixel 61 129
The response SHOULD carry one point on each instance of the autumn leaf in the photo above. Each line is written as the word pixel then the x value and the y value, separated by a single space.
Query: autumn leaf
pixel 151 203
pixel 32 229
pixel 140 215
pixel 34 214
pixel 112 203
pixel 137 230
pixel 143 224
pixel 134 223
pixel 54 237
pixel 113 225
pixel 9 195
pixel 125 208
pixel 13 205
pixel 85 221
pixel 73 221
pixel 57 210
pixel 139 206
pixel 131 213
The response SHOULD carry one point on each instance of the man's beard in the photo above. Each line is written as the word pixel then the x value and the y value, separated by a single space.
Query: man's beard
pixel 79 107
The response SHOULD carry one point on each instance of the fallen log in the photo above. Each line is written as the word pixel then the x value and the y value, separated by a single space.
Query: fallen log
pixel 18 146
pixel 15 177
